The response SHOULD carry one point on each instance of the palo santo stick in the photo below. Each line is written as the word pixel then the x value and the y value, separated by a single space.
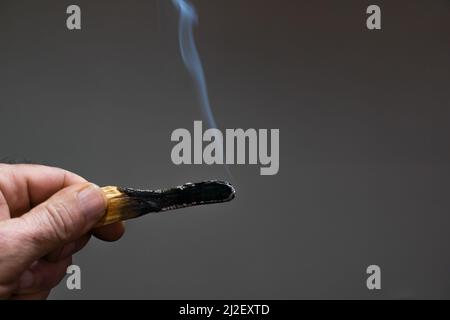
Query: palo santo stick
pixel 127 203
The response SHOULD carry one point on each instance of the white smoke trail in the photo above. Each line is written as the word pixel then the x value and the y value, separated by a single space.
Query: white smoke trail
pixel 191 58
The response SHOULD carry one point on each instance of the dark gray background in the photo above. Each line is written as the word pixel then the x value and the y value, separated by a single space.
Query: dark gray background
pixel 363 116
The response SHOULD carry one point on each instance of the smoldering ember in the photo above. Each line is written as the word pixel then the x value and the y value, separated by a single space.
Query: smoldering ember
pixel 239 146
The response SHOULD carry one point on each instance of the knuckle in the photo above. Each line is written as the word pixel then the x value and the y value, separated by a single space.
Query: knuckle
pixel 6 176
pixel 4 167
pixel 60 220
pixel 9 241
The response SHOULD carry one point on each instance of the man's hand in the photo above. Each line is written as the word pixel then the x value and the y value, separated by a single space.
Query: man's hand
pixel 46 215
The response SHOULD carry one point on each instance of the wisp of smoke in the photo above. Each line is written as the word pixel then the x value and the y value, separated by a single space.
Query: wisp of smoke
pixel 191 58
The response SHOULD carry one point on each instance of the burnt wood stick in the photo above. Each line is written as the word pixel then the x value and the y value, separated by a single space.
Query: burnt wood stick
pixel 127 203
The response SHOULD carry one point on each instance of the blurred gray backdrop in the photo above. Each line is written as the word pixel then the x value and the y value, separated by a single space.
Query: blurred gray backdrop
pixel 363 117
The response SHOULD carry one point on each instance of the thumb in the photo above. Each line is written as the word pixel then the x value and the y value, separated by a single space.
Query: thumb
pixel 65 217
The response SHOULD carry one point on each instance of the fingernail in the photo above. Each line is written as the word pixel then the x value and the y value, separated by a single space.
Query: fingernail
pixel 92 201
pixel 26 280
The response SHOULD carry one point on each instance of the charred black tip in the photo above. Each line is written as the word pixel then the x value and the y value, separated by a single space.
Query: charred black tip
pixel 187 195
pixel 212 191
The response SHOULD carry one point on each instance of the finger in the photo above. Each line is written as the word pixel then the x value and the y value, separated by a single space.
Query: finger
pixel 42 276
pixel 4 209
pixel 111 232
pixel 68 250
pixel 6 289
pixel 32 296
pixel 24 185
pixel 43 182
pixel 65 217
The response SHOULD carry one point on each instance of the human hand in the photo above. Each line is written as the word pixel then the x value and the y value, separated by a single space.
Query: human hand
pixel 46 215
